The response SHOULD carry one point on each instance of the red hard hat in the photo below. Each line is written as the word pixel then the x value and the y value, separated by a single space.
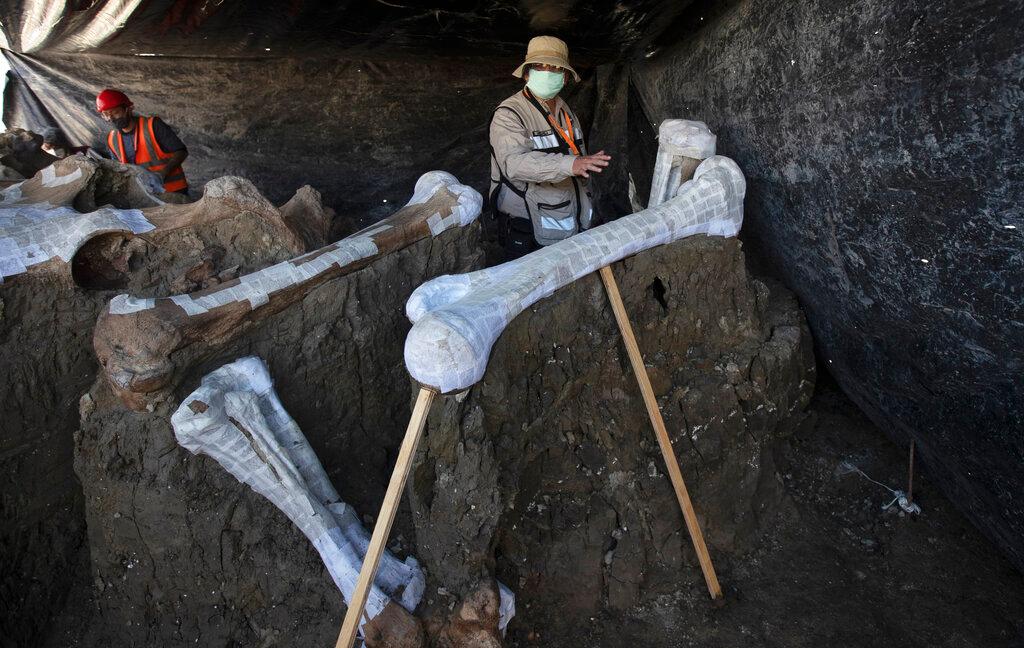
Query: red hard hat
pixel 109 99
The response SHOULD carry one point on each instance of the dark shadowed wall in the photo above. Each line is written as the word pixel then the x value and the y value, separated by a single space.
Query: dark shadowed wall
pixel 882 147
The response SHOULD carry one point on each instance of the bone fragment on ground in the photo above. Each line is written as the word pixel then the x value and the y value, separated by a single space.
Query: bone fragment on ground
pixel 458 318
pixel 42 226
pixel 135 338
pixel 236 418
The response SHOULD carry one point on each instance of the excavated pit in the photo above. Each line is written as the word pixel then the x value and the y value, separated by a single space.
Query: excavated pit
pixel 879 144
pixel 173 537
pixel 180 550
pixel 46 318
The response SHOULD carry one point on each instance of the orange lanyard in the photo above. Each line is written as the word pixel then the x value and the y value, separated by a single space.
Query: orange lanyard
pixel 566 135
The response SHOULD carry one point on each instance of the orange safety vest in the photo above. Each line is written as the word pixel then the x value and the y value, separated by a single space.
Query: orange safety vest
pixel 147 152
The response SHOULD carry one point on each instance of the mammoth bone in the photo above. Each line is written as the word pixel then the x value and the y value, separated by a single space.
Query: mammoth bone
pixel 236 418
pixel 46 220
pixel 135 339
pixel 457 318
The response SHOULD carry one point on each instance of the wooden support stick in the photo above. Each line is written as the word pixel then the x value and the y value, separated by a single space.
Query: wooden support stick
pixel 675 474
pixel 382 528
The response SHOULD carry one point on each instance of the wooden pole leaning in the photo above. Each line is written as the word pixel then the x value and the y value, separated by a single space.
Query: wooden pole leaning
pixel 382 528
pixel 675 474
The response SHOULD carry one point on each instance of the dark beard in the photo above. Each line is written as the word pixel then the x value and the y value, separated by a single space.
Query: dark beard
pixel 123 122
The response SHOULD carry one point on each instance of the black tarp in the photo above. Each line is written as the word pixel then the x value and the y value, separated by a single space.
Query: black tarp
pixel 356 99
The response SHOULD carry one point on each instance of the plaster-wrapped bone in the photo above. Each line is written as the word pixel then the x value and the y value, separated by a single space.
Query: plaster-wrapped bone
pixel 236 418
pixel 42 220
pixel 135 339
pixel 46 220
pixel 458 318
pixel 682 145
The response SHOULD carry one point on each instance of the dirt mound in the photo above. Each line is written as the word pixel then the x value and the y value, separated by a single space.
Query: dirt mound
pixel 551 473
pixel 181 551
pixel 556 483
pixel 61 266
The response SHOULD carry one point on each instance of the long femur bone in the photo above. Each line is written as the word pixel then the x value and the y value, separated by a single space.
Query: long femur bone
pixel 135 338
pixel 457 318
pixel 236 418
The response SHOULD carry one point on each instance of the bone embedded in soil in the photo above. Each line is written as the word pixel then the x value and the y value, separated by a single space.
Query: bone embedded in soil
pixel 136 338
pixel 457 319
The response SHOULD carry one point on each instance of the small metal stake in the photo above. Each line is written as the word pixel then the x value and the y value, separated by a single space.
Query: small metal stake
pixel 910 475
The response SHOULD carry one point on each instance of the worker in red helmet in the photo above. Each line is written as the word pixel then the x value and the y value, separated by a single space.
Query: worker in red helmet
pixel 146 141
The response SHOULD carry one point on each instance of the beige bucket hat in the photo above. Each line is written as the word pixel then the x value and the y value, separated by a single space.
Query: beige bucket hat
pixel 549 51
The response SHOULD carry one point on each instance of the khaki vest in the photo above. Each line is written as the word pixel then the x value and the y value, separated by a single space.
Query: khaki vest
pixel 557 209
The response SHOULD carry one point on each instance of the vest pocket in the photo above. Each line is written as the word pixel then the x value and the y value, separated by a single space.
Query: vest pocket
pixel 547 207
pixel 556 218
pixel 554 213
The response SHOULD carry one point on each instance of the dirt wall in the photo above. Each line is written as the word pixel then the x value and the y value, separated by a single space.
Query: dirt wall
pixel 879 142
pixel 529 477
pixel 183 553
pixel 46 323
pixel 547 473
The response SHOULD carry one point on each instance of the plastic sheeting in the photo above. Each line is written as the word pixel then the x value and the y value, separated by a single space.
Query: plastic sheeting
pixel 354 98
pixel 249 27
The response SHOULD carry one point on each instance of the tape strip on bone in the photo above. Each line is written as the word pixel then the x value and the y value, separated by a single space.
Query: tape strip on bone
pixel 236 418
pixel 34 234
pixel 258 286
pixel 458 318
pixel 50 178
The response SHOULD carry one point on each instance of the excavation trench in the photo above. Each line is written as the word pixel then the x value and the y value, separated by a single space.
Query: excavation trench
pixel 881 235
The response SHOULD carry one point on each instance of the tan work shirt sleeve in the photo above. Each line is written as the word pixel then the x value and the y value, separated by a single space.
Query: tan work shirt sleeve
pixel 514 152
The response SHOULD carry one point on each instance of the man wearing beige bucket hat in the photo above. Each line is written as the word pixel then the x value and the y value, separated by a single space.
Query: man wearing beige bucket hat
pixel 539 161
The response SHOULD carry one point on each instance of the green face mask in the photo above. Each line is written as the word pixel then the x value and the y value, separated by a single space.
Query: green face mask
pixel 545 84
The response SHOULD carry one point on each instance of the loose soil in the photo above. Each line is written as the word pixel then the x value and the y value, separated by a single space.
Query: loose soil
pixel 833 569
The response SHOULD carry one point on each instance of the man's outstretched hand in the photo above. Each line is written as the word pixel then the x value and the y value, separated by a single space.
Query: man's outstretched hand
pixel 585 164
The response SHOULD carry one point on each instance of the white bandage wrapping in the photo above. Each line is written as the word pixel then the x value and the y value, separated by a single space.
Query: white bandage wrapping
pixel 35 234
pixel 235 418
pixel 457 318
pixel 677 139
